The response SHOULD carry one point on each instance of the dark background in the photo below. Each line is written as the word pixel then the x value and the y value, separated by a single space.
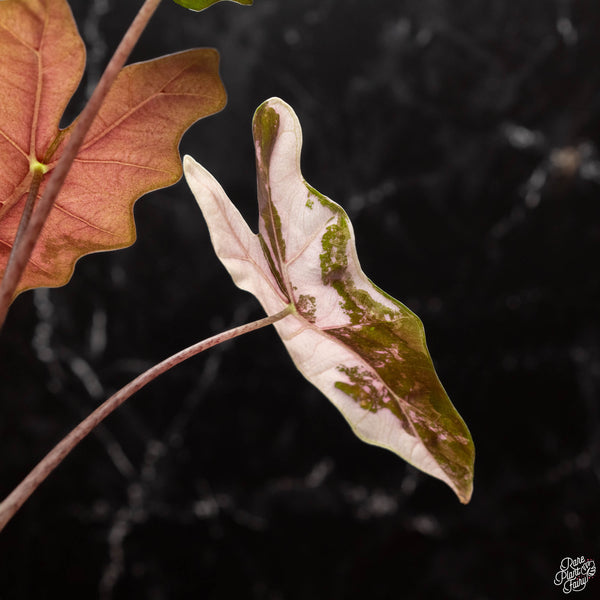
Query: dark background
pixel 462 139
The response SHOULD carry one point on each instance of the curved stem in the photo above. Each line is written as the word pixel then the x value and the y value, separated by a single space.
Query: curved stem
pixel 36 181
pixel 21 493
pixel 22 252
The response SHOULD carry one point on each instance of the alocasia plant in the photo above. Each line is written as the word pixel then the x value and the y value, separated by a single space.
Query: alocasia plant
pixel 130 149
pixel 362 348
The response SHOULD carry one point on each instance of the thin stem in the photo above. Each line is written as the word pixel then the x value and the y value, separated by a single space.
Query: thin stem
pixel 34 188
pixel 23 491
pixel 21 253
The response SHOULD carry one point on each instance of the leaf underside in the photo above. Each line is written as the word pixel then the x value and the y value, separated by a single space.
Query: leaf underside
pixel 131 148
pixel 362 348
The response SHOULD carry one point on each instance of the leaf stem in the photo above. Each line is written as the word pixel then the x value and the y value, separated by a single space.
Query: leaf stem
pixel 21 252
pixel 34 188
pixel 11 504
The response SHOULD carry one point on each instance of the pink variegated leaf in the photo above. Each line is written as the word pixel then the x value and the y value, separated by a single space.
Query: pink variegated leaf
pixel 362 348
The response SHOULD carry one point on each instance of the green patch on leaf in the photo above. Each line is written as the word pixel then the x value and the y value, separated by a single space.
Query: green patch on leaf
pixel 334 259
pixel 357 303
pixel 272 267
pixel 265 128
pixel 307 307
pixel 324 200
pixel 369 393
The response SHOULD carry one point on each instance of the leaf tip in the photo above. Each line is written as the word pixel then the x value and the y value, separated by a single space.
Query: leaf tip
pixel 460 478
pixel 465 491
pixel 265 127
pixel 194 171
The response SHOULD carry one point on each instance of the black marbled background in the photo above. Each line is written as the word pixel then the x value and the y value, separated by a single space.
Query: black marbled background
pixel 462 138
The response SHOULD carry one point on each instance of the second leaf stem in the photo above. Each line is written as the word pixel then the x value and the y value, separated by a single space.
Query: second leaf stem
pixel 23 491
pixel 34 188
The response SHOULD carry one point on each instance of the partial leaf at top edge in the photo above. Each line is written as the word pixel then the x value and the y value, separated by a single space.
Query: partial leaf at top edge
pixel 362 348
pixel 199 5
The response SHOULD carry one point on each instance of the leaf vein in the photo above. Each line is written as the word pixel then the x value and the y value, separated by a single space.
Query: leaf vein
pixel 122 163
pixel 82 220
pixel 33 262
pixel 13 144
pixel 308 243
pixel 16 37
pixel 247 257
pixel 135 108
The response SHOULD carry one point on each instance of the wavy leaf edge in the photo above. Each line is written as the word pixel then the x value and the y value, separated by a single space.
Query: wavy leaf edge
pixel 132 147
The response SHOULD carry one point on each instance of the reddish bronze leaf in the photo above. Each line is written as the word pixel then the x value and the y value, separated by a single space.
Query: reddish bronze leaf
pixel 131 148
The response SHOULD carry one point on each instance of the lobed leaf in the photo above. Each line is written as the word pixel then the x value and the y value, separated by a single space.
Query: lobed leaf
pixel 362 348
pixel 131 148
pixel 199 5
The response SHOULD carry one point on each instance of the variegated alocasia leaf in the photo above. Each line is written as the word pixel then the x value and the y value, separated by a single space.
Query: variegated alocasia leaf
pixel 202 4
pixel 130 149
pixel 364 350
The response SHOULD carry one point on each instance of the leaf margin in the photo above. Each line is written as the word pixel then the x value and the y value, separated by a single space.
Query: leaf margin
pixel 61 253
pixel 200 5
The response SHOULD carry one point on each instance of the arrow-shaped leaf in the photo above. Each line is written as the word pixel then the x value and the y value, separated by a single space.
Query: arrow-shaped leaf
pixel 131 148
pixel 364 350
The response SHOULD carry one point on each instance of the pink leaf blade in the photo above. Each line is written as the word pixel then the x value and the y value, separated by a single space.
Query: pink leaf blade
pixel 362 348
pixel 238 248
